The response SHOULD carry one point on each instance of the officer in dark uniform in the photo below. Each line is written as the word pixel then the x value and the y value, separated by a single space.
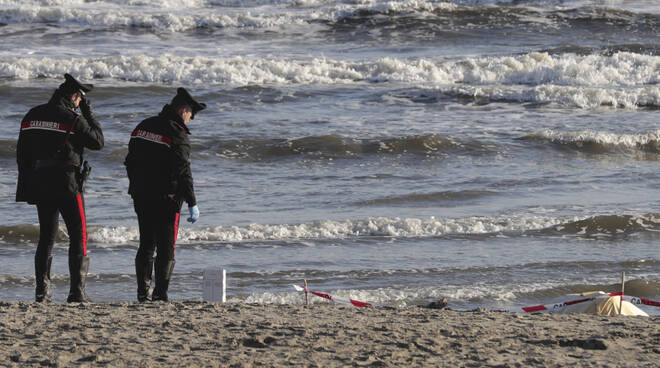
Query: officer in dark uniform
pixel 51 175
pixel 158 167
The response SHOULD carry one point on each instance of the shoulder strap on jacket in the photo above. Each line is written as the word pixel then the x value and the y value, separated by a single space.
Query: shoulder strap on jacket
pixel 68 132
pixel 66 137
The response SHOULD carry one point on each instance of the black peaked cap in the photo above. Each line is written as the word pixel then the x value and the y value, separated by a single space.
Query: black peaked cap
pixel 184 98
pixel 72 85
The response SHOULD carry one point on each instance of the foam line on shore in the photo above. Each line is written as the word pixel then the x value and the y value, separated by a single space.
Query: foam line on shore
pixel 595 226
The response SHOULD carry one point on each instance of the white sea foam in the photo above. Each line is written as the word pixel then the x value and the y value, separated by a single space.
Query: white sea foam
pixel 594 97
pixel 623 79
pixel 184 15
pixel 208 12
pixel 384 6
pixel 540 68
pixel 457 296
pixel 631 141
pixel 395 227
pixel 168 4
pixel 161 20
pixel 581 97
pixel 169 16
pixel 620 70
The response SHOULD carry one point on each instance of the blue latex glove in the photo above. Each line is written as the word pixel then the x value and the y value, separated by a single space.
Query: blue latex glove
pixel 194 214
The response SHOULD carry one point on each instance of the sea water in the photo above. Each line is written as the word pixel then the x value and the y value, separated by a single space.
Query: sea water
pixel 494 153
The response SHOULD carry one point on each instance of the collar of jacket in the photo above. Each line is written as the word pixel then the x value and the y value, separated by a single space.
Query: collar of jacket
pixel 169 114
pixel 61 99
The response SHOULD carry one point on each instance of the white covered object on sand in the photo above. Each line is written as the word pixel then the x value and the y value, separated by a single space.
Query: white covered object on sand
pixel 602 304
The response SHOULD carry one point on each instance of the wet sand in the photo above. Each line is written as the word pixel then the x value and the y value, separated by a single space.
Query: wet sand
pixel 195 333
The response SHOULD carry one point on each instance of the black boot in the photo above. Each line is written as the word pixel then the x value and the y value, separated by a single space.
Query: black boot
pixel 163 274
pixel 78 267
pixel 143 271
pixel 42 276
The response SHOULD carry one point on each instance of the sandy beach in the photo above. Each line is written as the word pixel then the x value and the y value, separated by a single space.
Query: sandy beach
pixel 195 333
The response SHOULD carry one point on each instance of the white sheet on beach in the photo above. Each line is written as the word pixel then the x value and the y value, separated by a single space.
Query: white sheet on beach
pixel 603 305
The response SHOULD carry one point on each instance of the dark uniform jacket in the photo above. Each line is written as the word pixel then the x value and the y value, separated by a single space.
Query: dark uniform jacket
pixel 47 166
pixel 158 160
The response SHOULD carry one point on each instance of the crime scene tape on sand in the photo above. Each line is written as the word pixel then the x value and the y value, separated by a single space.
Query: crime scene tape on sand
pixel 334 298
pixel 535 308
pixel 556 306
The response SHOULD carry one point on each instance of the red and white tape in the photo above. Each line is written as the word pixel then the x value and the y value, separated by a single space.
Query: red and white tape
pixel 535 308
pixel 556 306
pixel 334 298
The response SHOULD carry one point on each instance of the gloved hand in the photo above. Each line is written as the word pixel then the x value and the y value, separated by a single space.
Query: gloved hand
pixel 194 214
pixel 86 108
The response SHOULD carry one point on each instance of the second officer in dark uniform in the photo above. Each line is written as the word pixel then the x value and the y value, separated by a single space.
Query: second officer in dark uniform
pixel 158 167
pixel 51 175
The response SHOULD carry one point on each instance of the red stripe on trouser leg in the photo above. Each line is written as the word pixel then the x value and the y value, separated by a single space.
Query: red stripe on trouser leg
pixel 176 229
pixel 83 224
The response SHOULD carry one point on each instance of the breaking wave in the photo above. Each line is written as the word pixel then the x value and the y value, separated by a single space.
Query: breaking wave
pixel 181 21
pixel 160 3
pixel 25 233
pixel 580 97
pixel 417 18
pixel 621 80
pixel 606 225
pixel 414 16
pixel 609 225
pixel 600 142
pixel 621 69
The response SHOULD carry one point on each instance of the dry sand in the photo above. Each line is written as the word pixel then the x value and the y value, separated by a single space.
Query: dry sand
pixel 195 333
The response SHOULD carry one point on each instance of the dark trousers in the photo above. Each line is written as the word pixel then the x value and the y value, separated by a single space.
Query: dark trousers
pixel 72 209
pixel 158 220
